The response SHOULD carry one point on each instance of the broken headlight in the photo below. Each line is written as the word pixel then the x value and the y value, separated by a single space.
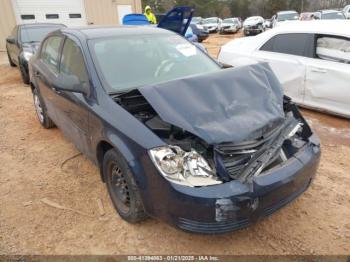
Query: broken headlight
pixel 183 168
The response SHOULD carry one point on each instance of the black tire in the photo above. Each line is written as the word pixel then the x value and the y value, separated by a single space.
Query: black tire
pixel 122 188
pixel 43 118
pixel 10 60
pixel 24 74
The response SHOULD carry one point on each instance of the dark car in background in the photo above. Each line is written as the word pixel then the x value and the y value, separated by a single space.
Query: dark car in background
pixel 199 30
pixel 23 43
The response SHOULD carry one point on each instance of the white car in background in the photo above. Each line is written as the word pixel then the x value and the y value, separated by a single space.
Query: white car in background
pixel 329 15
pixel 229 25
pixel 212 24
pixel 253 25
pixel 284 17
pixel 346 11
pixel 311 59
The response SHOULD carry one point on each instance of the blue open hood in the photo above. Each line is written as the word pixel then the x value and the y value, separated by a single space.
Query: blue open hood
pixel 135 19
pixel 177 19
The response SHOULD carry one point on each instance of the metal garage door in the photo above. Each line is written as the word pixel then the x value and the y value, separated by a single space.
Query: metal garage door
pixel 68 12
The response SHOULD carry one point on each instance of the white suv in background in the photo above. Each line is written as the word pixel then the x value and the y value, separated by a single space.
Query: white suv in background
pixel 311 59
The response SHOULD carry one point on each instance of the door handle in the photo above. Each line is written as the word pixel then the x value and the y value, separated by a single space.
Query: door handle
pixel 319 70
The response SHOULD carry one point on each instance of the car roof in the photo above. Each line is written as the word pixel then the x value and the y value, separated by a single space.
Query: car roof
pixel 254 17
pixel 92 32
pixel 334 27
pixel 329 11
pixel 40 25
pixel 287 12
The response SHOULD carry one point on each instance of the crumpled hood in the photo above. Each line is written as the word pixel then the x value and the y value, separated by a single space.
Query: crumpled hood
pixel 231 105
pixel 251 22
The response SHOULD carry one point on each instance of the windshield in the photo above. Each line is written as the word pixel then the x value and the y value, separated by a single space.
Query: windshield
pixel 130 61
pixel 36 34
pixel 210 21
pixel 290 16
pixel 196 19
pixel 335 15
pixel 229 21
pixel 253 19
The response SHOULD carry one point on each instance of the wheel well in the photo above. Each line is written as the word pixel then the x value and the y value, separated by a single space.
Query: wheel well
pixel 32 86
pixel 102 148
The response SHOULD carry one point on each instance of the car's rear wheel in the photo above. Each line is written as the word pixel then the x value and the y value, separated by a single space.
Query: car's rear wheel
pixel 40 110
pixel 24 74
pixel 122 188
pixel 10 60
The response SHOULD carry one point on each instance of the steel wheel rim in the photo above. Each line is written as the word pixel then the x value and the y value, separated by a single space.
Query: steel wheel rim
pixel 120 188
pixel 38 109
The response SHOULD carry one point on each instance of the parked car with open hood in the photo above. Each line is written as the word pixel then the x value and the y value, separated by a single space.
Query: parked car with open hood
pixel 329 15
pixel 229 25
pixel 253 25
pixel 283 17
pixel 23 43
pixel 212 24
pixel 311 59
pixel 175 136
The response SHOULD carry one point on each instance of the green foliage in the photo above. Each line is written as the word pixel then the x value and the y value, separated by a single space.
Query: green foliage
pixel 243 8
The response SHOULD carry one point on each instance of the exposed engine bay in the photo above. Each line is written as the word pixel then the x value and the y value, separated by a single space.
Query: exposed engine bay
pixel 225 161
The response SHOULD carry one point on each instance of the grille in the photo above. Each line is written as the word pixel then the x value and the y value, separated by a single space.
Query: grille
pixel 234 164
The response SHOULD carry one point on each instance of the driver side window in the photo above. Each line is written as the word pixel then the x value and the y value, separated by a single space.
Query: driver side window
pixel 50 51
pixel 72 62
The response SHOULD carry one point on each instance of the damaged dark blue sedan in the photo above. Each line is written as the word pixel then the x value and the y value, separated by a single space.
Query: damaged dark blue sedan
pixel 176 136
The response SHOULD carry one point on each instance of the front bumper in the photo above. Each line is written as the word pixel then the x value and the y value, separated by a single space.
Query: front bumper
pixel 212 29
pixel 253 31
pixel 229 30
pixel 232 205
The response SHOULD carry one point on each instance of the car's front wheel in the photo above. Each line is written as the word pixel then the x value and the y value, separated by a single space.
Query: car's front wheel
pixel 40 110
pixel 122 188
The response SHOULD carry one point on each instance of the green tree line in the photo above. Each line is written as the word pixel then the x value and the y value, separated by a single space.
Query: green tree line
pixel 244 8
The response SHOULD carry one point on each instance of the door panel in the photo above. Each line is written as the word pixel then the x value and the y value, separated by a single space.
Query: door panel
pixel 328 86
pixel 45 77
pixel 73 108
pixel 46 72
pixel 290 71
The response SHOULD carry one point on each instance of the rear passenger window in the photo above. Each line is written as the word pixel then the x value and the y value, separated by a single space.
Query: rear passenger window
pixel 291 44
pixel 336 49
pixel 50 52
pixel 72 61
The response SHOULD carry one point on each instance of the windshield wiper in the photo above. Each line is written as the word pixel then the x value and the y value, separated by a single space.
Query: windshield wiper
pixel 120 93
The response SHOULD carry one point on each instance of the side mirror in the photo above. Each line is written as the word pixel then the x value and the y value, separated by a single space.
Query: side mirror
pixel 70 83
pixel 11 40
